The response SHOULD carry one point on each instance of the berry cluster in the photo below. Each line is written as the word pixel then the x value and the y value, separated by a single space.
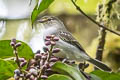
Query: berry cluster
pixel 40 66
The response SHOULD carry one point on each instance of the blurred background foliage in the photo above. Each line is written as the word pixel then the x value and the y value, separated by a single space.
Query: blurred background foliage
pixel 66 7
pixel 83 29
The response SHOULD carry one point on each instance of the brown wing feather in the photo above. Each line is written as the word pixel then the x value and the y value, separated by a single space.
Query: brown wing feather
pixel 67 37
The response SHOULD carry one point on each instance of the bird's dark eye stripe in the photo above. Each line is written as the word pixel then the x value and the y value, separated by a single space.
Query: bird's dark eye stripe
pixel 49 19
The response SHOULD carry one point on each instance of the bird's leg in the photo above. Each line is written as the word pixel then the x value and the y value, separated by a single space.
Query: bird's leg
pixel 83 66
pixel 86 75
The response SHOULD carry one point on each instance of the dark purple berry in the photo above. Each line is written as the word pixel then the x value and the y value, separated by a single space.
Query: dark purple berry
pixel 44 57
pixel 21 59
pixel 49 36
pixel 37 56
pixel 42 53
pixel 16 77
pixel 17 72
pixel 13 40
pixel 56 39
pixel 33 71
pixel 49 70
pixel 18 44
pixel 54 59
pixel 28 75
pixel 44 76
pixel 47 43
pixel 22 64
pixel 38 52
pixel 31 62
pixel 12 43
pixel 56 50
pixel 47 39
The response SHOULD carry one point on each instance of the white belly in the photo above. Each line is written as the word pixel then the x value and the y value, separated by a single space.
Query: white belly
pixel 71 52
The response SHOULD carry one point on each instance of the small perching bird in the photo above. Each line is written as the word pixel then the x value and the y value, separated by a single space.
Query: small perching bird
pixel 70 47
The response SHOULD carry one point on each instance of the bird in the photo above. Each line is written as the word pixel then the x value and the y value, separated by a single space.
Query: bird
pixel 70 47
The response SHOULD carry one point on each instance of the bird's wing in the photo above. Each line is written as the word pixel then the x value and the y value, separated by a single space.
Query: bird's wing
pixel 67 37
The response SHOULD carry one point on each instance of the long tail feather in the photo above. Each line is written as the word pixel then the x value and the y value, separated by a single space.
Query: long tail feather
pixel 99 64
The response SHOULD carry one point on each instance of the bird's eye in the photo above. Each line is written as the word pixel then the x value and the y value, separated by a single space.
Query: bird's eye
pixel 49 19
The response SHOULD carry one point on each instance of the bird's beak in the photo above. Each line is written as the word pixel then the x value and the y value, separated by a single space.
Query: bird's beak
pixel 42 20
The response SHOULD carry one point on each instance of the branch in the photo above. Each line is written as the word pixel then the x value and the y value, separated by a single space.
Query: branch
pixel 100 48
pixel 99 25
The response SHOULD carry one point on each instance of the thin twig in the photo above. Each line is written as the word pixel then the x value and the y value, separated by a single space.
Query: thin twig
pixel 41 71
pixel 17 58
pixel 50 53
pixel 48 58
pixel 99 25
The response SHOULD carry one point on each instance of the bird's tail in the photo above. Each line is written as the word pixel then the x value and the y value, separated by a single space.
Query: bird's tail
pixel 99 64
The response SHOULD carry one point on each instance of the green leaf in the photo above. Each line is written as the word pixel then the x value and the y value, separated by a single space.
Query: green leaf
pixel 68 70
pixel 6 70
pixel 59 77
pixel 6 50
pixel 106 75
pixel 94 77
pixel 44 4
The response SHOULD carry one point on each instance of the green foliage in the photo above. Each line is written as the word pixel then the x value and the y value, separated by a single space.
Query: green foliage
pixel 6 50
pixel 68 70
pixel 88 6
pixel 6 70
pixel 94 77
pixel 106 75
pixel 39 8
pixel 59 77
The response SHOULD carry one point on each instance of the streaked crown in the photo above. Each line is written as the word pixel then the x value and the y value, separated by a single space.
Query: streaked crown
pixel 46 19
